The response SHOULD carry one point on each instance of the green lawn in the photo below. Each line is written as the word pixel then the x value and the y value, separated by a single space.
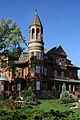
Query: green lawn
pixel 52 104
pixel 42 111
pixel 46 105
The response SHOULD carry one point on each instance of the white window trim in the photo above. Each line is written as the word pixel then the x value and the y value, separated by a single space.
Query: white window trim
pixel 18 86
pixel 37 85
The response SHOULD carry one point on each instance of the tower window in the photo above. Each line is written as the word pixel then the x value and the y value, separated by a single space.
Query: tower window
pixel 38 33
pixel 33 33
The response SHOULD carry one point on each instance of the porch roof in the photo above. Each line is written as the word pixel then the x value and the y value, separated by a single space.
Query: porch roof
pixel 63 80
pixel 68 80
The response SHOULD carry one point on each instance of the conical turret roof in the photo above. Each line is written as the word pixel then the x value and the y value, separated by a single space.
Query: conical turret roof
pixel 36 20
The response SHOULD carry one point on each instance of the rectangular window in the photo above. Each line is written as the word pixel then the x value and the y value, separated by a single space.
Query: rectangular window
pixel 38 69
pixel 38 56
pixel 18 86
pixel 37 85
pixel 1 87
pixel 45 71
pixel 62 74
pixel 59 73
pixel 42 70
pixel 55 73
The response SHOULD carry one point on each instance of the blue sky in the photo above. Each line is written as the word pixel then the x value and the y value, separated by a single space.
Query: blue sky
pixel 60 19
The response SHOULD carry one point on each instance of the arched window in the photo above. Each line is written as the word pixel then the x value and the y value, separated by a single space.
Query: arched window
pixel 37 33
pixel 33 33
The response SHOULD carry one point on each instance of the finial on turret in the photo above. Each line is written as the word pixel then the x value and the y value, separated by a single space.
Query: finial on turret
pixel 36 13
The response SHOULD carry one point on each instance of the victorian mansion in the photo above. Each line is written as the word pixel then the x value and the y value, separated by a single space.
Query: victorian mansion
pixel 43 70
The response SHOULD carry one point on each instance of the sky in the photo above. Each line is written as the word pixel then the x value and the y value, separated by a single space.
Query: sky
pixel 60 19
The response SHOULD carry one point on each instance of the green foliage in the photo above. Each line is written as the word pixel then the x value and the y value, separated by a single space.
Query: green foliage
pixel 28 94
pixel 78 88
pixel 31 114
pixel 12 115
pixel 10 35
pixel 11 104
pixel 1 96
pixel 66 100
pixel 65 95
pixel 34 113
pixel 10 40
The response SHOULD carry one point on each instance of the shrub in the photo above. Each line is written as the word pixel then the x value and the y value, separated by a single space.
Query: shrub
pixel 65 94
pixel 11 104
pixel 33 114
pixel 28 94
pixel 66 100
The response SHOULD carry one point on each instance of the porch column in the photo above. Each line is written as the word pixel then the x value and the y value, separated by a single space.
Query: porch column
pixel 73 87
pixel 59 87
pixel 54 86
pixel 1 87
pixel 12 88
pixel 69 88
pixel 46 85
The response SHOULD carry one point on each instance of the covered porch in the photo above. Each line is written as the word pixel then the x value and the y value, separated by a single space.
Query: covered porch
pixel 56 84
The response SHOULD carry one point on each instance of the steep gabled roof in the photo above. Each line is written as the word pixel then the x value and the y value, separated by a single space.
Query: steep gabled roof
pixel 60 51
pixel 57 50
pixel 52 50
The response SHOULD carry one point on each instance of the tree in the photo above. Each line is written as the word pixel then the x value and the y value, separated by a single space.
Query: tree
pixel 11 39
